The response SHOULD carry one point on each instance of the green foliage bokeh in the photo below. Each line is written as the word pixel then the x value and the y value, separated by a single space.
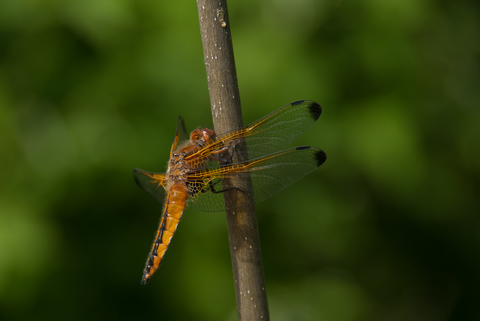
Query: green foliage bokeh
pixel 387 229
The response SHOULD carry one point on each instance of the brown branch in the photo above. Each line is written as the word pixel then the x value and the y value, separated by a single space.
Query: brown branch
pixel 227 115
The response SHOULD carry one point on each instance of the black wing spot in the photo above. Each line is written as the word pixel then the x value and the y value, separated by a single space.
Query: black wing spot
pixel 298 102
pixel 315 110
pixel 302 147
pixel 320 157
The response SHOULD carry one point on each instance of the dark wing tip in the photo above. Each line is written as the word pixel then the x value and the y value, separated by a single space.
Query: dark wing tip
pixel 320 157
pixel 318 154
pixel 315 110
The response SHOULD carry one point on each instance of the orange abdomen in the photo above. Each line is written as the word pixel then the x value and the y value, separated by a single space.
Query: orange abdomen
pixel 172 213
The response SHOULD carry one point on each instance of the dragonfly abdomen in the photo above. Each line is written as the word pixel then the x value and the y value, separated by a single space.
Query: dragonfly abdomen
pixel 173 209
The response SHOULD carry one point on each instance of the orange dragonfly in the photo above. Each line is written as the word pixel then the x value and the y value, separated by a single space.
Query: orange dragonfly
pixel 197 166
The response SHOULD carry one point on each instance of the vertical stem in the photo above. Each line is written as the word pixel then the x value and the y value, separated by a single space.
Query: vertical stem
pixel 241 218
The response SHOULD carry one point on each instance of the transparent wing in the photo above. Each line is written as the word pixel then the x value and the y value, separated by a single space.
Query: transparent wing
pixel 268 134
pixel 269 175
pixel 153 183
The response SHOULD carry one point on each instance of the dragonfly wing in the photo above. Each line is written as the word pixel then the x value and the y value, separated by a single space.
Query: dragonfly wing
pixel 280 128
pixel 269 175
pixel 202 197
pixel 153 183
pixel 273 173
pixel 180 134
pixel 268 134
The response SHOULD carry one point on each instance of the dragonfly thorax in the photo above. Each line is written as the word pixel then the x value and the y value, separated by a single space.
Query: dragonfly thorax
pixel 177 168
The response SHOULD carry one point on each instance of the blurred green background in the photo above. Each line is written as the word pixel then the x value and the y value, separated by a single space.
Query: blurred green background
pixel 387 229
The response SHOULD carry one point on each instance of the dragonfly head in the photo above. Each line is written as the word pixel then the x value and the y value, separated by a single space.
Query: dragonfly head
pixel 202 135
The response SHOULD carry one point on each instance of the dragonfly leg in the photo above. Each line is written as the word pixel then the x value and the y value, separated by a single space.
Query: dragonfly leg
pixel 224 160
pixel 211 187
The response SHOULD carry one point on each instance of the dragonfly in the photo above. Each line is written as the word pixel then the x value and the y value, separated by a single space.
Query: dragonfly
pixel 198 165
